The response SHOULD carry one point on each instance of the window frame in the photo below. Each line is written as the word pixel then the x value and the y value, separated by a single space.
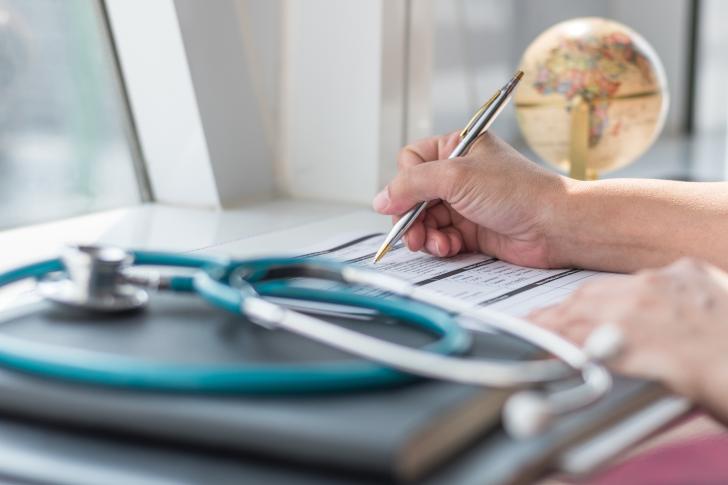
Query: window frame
pixel 209 171
pixel 130 132
pixel 162 100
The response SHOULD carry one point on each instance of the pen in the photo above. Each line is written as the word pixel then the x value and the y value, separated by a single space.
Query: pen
pixel 480 122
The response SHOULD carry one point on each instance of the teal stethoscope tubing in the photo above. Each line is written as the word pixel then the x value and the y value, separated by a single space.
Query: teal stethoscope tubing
pixel 92 367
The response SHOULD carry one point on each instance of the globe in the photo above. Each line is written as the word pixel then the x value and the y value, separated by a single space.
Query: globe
pixel 593 96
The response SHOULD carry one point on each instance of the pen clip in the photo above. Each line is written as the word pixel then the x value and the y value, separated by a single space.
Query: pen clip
pixel 478 113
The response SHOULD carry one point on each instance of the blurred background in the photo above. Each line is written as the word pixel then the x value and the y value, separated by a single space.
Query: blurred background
pixel 478 43
pixel 68 144
pixel 64 147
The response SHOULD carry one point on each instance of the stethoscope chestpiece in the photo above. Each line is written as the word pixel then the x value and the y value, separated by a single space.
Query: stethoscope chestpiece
pixel 94 280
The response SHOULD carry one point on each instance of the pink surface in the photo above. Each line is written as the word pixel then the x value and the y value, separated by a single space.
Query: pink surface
pixel 696 461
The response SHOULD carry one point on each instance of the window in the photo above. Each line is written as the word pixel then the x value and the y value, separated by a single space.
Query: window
pixel 65 145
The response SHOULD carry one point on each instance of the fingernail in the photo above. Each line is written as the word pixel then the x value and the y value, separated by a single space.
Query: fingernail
pixel 437 249
pixel 381 200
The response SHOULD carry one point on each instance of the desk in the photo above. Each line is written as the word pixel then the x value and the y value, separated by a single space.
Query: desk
pixel 265 228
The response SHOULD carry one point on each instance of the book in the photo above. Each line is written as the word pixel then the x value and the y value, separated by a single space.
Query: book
pixel 400 433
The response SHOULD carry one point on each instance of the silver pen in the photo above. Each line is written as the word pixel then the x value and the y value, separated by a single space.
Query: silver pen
pixel 480 122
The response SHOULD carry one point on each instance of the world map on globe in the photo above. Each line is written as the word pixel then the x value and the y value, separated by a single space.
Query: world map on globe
pixel 605 65
pixel 591 67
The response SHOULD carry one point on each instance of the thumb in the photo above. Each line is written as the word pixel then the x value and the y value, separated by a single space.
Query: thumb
pixel 418 183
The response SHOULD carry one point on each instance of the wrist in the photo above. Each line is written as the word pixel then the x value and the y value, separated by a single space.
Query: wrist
pixel 564 229
pixel 603 225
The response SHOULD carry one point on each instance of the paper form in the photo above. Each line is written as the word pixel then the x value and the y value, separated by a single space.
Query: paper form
pixel 473 277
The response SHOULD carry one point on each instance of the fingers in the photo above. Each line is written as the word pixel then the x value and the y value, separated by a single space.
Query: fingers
pixel 666 335
pixel 544 316
pixel 489 144
pixel 415 236
pixel 573 327
pixel 428 149
pixel 423 182
pixel 443 242
pixel 436 242
pixel 439 216
pixel 434 233
pixel 455 240
pixel 411 185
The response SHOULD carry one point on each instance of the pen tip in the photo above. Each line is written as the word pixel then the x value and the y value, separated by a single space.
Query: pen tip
pixel 382 251
pixel 518 75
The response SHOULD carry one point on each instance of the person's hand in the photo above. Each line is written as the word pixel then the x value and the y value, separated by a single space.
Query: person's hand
pixel 674 321
pixel 493 200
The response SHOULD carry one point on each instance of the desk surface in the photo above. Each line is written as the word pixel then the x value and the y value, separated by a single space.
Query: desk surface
pixel 265 228
pixel 257 228
pixel 261 228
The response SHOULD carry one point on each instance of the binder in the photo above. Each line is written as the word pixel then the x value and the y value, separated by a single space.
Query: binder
pixel 425 431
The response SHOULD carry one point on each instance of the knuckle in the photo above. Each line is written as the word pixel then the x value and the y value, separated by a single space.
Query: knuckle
pixel 579 293
pixel 588 289
pixel 689 263
pixel 485 141
pixel 653 277
pixel 446 143
pixel 405 154
pixel 648 292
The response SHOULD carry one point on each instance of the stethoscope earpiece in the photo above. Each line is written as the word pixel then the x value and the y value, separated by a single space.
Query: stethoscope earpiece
pixel 604 343
pixel 526 414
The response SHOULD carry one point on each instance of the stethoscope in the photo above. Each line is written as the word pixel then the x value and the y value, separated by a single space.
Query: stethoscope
pixel 107 280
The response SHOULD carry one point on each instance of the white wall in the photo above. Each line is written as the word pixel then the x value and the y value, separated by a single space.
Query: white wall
pixel 343 96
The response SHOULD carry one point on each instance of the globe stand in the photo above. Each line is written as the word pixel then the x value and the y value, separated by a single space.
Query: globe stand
pixel 579 141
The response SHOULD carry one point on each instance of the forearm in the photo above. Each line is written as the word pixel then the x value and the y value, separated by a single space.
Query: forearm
pixel 627 224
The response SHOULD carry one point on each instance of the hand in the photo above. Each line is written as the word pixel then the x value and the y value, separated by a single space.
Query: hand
pixel 493 200
pixel 674 321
